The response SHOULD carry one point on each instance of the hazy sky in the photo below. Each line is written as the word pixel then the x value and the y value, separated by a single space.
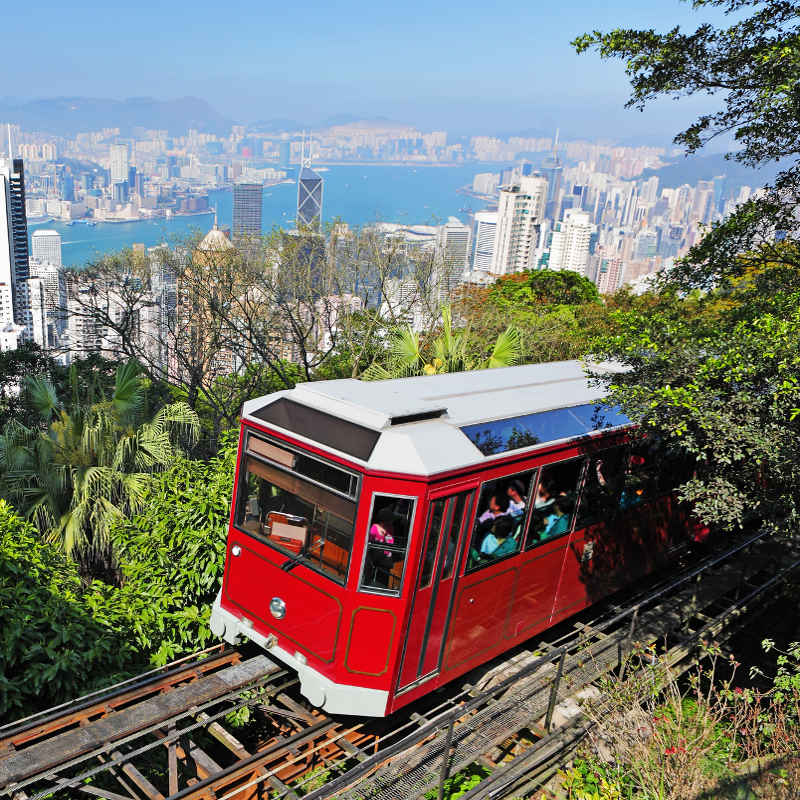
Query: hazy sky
pixel 466 67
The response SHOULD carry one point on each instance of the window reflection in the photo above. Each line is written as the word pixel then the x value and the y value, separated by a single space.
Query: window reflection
pixel 554 504
pixel 503 435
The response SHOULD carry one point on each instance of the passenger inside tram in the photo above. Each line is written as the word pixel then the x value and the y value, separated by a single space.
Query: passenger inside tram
pixel 387 542
pixel 501 517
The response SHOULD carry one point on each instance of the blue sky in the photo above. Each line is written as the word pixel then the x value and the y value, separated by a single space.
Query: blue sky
pixel 466 67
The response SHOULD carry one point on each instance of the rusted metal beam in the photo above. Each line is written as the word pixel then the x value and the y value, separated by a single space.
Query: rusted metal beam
pixel 88 710
pixel 43 756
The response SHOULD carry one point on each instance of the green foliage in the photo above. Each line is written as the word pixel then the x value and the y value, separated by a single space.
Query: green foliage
pixel 173 549
pixel 87 466
pixel 59 638
pixel 452 349
pixel 531 290
pixel 590 779
pixel 462 782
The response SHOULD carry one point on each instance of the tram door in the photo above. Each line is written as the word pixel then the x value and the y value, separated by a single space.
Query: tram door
pixel 430 614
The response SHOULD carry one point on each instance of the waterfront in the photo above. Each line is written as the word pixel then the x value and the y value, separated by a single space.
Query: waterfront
pixel 356 194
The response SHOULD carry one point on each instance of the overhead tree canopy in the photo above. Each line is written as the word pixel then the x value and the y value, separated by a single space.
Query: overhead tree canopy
pixel 714 357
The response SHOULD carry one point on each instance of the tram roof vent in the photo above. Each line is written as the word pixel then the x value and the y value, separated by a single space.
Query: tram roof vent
pixel 418 417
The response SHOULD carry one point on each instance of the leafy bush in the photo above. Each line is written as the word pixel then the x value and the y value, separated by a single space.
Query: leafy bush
pixel 173 551
pixel 58 639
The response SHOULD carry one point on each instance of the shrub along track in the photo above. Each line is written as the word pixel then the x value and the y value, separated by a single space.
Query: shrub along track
pixel 164 735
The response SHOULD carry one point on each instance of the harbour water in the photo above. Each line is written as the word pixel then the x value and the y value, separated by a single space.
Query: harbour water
pixel 356 194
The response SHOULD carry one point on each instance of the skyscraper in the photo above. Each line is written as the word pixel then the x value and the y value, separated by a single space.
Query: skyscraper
pixel 14 267
pixel 553 170
pixel 520 213
pixel 485 234
pixel 247 209
pixel 309 198
pixel 46 247
pixel 119 162
pixel 452 248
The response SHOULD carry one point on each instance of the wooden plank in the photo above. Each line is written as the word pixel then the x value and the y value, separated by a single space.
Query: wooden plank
pixel 43 756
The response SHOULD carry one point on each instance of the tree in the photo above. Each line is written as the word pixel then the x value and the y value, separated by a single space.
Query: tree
pixel 88 467
pixel 542 287
pixel 451 350
pixel 713 355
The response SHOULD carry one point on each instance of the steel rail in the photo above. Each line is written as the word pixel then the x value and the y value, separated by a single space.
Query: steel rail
pixel 155 728
pixel 102 696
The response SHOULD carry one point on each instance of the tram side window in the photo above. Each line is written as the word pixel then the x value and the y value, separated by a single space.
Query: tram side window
pixel 299 518
pixel 554 504
pixel 387 544
pixel 500 519
pixel 602 488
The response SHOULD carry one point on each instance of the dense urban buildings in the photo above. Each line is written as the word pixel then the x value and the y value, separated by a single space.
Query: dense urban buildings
pixel 575 205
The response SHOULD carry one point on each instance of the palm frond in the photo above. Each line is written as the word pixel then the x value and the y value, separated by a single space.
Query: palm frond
pixel 128 397
pixel 507 349
pixel 42 396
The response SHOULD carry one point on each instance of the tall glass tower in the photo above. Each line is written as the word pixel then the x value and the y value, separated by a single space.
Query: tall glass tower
pixel 247 209
pixel 309 198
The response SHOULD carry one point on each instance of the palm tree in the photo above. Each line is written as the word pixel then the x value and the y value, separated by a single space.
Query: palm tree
pixel 87 464
pixel 453 350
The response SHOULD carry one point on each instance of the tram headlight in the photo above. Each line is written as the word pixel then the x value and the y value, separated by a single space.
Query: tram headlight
pixel 277 608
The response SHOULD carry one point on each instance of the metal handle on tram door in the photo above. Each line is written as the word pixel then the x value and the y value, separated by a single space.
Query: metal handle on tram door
pixel 471 600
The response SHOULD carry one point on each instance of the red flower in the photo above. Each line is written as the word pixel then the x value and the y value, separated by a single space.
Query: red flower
pixel 738 690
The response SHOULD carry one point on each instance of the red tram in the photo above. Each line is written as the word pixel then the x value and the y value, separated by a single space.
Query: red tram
pixel 387 537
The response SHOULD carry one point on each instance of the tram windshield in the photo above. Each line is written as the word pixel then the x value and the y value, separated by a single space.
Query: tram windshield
pixel 301 518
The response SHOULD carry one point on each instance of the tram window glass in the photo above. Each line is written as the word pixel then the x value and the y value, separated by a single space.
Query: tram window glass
pixel 500 519
pixel 642 476
pixel 387 543
pixel 299 518
pixel 601 489
pixel 554 505
pixel 434 529
pixel 452 539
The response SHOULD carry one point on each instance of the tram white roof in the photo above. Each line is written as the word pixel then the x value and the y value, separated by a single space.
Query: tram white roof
pixel 434 443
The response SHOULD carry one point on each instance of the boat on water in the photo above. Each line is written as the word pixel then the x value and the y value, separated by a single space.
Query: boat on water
pixel 72 222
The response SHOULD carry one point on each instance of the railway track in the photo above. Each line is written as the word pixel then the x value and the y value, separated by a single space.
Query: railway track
pixel 164 735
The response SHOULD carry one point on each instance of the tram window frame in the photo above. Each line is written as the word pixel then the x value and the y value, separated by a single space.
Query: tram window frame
pixel 362 587
pixel 531 543
pixel 613 493
pixel 473 564
pixel 243 496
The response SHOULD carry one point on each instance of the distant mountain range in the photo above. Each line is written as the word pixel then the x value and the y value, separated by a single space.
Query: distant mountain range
pixel 66 116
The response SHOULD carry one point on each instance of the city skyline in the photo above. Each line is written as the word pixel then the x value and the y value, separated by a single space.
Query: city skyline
pixel 434 67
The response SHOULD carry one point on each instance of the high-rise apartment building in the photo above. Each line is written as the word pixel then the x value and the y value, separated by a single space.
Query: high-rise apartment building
pixel 119 163
pixel 571 241
pixel 14 260
pixel 452 249
pixel 46 247
pixel 485 235
pixel 520 213
pixel 309 198
pixel 247 200
pixel 55 293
